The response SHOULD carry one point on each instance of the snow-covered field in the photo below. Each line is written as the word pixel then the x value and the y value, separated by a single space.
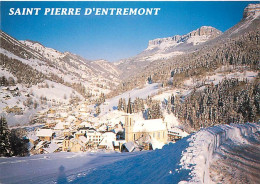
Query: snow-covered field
pixel 187 161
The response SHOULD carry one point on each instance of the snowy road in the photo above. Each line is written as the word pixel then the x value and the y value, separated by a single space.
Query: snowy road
pixel 237 163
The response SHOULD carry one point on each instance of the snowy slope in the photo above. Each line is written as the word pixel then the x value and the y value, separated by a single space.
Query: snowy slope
pixel 48 168
pixel 74 68
pixel 187 161
pixel 95 76
pixel 66 74
pixel 56 94
pixel 148 90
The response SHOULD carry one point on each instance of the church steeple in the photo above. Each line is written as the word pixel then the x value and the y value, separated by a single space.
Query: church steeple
pixel 129 107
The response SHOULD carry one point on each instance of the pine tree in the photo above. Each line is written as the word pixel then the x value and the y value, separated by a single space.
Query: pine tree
pixel 5 145
pixel 120 103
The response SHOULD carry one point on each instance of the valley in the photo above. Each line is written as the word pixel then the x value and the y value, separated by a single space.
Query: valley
pixel 187 101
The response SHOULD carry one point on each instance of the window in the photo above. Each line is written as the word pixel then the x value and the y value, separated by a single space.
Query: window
pixel 134 136
pixel 153 135
pixel 158 135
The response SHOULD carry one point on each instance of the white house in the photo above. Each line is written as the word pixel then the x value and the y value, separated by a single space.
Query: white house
pixel 108 140
pixel 44 134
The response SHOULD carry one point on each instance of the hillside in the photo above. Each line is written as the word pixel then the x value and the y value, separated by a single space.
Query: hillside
pixel 35 78
pixel 222 74
pixel 166 48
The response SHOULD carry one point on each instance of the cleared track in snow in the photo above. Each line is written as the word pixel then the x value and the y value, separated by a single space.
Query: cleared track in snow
pixel 237 163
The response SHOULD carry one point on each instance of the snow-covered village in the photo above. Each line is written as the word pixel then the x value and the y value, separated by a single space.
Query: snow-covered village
pixel 182 108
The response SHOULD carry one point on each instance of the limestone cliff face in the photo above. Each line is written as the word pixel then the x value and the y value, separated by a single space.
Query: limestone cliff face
pixel 252 10
pixel 201 34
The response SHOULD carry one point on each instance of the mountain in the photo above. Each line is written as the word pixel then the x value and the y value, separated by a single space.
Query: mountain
pixel 252 10
pixel 175 49
pixel 68 67
pixel 80 70
pixel 178 42
pixel 215 71
pixel 34 78
pixel 165 48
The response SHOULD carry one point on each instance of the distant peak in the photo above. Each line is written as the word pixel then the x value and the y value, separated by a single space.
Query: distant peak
pixel 252 10
pixel 31 41
pixel 205 32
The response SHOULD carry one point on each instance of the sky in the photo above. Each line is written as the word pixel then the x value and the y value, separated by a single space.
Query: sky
pixel 116 37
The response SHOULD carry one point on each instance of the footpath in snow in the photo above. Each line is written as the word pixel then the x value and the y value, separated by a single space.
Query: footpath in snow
pixel 190 160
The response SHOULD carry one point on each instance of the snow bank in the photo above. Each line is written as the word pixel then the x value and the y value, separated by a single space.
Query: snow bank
pixel 202 145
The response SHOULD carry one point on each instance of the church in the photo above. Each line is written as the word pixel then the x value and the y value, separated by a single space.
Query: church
pixel 154 129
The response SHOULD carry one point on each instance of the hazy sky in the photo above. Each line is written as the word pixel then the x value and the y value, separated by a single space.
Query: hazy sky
pixel 116 37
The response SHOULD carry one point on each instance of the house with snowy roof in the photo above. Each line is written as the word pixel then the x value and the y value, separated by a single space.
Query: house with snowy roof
pixel 51 148
pixel 94 136
pixel 45 134
pixel 74 144
pixel 108 139
pixel 31 136
pixel 153 129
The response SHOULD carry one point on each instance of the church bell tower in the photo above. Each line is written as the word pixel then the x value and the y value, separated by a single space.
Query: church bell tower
pixel 129 123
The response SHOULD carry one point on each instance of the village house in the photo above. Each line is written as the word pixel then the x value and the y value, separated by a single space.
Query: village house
pixel 15 109
pixel 74 144
pixel 94 136
pixel 67 132
pixel 108 139
pixel 45 134
pixel 78 121
pixel 51 148
pixel 51 111
pixel 85 124
pixel 66 143
pixel 32 138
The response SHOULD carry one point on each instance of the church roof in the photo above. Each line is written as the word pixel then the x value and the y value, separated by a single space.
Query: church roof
pixel 44 133
pixel 129 107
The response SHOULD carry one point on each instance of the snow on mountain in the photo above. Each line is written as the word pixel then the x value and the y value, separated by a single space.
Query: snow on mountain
pixel 249 22
pixel 111 104
pixel 195 37
pixel 220 75
pixel 187 161
pixel 166 48
pixel 252 10
pixel 105 66
pixel 73 68
pixel 49 53
pixel 63 75
pixel 20 103
pixel 49 168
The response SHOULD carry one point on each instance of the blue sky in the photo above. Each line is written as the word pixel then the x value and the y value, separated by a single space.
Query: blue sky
pixel 116 37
